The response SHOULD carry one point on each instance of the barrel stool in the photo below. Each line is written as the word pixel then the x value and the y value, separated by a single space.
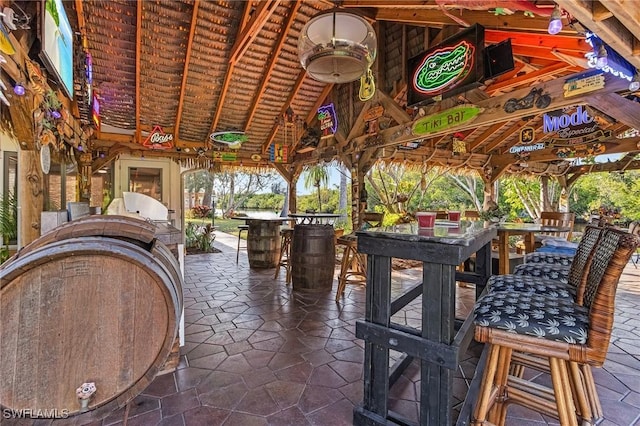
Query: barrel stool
pixel 286 234
pixel 240 229
pixel 353 268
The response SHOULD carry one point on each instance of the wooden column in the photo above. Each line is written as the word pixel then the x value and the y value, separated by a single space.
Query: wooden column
pixel 30 196
pixel 84 177
pixel 290 173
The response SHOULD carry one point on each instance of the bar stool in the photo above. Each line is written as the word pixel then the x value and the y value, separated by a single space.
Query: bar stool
pixel 569 337
pixel 240 229
pixel 286 234
pixel 353 268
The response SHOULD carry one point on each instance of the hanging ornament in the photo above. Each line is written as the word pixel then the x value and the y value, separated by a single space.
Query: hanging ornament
pixel 367 86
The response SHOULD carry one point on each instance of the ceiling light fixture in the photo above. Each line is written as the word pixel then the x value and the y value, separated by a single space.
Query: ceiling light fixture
pixel 555 21
pixel 634 86
pixel 601 55
pixel 18 89
pixel 336 46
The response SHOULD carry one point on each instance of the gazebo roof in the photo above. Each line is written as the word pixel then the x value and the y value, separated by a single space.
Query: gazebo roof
pixel 198 67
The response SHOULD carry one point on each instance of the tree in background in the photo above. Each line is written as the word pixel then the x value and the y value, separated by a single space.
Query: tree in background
pixel 317 177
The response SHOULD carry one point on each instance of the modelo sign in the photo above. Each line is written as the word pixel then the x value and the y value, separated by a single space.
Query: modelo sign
pixel 569 125
pixel 448 68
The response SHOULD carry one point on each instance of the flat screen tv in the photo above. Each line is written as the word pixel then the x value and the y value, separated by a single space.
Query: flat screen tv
pixel 56 38
pixel 451 67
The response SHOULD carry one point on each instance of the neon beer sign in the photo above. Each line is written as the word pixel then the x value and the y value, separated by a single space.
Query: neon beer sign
pixel 328 120
pixel 444 68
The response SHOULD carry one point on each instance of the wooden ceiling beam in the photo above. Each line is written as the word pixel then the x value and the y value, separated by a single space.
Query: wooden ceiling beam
pixel 243 41
pixel 253 27
pixel 435 17
pixel 185 71
pixel 528 78
pixel 620 36
pixel 138 66
pixel 574 44
pixel 618 107
pixel 301 76
pixel 496 142
pixel 484 136
pixel 275 54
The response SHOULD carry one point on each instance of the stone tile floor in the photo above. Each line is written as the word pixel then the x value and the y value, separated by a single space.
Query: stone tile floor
pixel 257 353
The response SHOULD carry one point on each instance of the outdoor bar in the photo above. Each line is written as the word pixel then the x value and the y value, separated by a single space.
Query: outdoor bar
pixel 289 212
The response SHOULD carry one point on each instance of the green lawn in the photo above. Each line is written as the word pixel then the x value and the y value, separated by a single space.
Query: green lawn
pixel 230 226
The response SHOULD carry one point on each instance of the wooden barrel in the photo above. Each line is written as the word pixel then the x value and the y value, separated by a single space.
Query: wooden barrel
pixel 263 243
pixel 313 253
pixel 88 309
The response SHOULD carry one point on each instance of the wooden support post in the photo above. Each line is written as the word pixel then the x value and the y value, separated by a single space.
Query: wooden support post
pixel 30 196
pixel 84 177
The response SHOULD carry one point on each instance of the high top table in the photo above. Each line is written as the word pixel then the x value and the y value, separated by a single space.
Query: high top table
pixel 441 341
pixel 528 230
pixel 313 251
pixel 263 240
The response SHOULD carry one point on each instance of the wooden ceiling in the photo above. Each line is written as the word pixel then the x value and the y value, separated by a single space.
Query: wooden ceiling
pixel 195 67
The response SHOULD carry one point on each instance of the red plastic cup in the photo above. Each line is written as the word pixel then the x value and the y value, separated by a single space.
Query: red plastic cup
pixel 454 216
pixel 426 219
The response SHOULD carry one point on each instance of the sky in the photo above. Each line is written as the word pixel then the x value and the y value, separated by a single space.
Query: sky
pixel 334 181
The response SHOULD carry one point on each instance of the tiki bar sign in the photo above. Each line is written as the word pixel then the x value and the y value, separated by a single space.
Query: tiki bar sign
pixel 446 119
pixel 447 68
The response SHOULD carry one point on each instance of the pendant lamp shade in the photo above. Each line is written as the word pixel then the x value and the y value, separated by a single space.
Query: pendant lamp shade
pixel 337 46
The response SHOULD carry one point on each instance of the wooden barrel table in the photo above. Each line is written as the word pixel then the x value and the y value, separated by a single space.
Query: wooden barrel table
pixel 263 242
pixel 86 308
pixel 313 253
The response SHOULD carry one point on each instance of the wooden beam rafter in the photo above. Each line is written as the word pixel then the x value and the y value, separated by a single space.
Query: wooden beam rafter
pixel 243 41
pixel 275 54
pixel 185 71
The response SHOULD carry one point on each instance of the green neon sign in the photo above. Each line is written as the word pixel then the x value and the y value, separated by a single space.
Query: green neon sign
pixel 446 119
pixel 443 68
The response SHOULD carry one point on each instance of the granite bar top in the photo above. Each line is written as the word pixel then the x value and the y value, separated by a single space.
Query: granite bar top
pixel 445 232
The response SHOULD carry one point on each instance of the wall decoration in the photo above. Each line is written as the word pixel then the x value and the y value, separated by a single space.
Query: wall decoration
pixel 445 119
pixel 256 157
pixel 520 150
pixel 233 139
pixel 527 135
pixel 221 156
pixel 615 65
pixel 328 120
pixel 158 139
pixel 534 97
pixel 583 150
pixel 573 126
pixel 454 65
pixel 584 83
pixel 278 153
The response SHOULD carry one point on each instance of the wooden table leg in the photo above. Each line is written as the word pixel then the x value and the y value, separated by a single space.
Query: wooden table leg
pixel 529 242
pixel 503 248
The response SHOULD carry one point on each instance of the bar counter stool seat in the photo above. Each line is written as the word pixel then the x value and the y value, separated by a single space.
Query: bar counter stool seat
pixel 564 336
pixel 548 278
pixel 241 229
pixel 353 267
pixel 286 235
